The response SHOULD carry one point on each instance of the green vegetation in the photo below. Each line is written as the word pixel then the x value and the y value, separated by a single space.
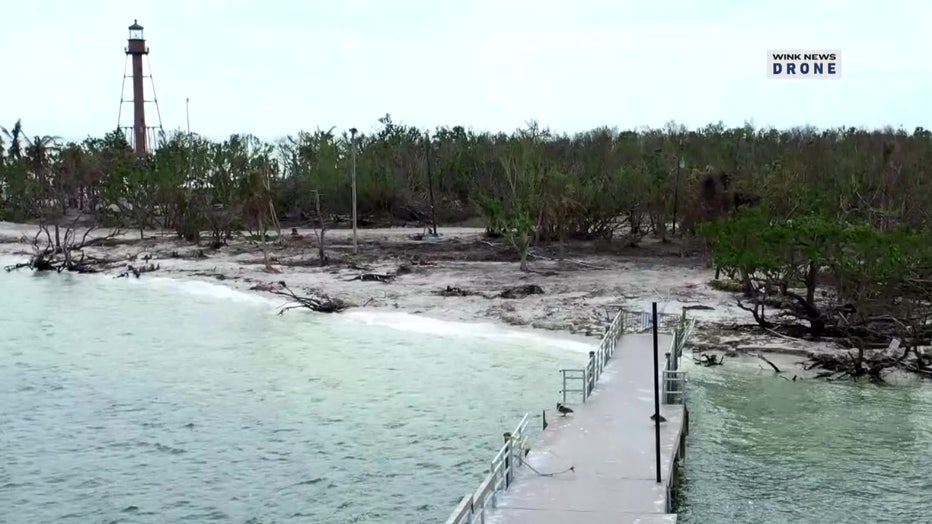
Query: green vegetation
pixel 857 282
pixel 530 183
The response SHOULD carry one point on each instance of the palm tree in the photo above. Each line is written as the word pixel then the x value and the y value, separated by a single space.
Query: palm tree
pixel 13 136
pixel 72 176
pixel 39 151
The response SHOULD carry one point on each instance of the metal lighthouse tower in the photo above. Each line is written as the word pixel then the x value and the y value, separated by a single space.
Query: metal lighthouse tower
pixel 144 138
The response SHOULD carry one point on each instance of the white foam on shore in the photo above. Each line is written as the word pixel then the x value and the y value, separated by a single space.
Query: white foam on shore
pixel 400 321
pixel 204 289
pixel 412 323
pixel 192 287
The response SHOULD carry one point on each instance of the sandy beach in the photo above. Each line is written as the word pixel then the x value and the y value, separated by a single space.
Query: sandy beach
pixel 456 276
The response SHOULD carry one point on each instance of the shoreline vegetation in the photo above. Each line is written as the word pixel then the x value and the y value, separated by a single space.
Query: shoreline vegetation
pixel 814 243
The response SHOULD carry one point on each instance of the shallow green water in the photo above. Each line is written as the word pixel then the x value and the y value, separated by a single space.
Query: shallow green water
pixel 158 401
pixel 766 450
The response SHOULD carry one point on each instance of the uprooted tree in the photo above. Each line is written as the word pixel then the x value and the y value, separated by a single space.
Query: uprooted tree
pixel 812 276
pixel 64 250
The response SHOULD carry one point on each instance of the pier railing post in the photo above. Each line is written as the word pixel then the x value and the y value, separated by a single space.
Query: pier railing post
pixel 563 373
pixel 508 451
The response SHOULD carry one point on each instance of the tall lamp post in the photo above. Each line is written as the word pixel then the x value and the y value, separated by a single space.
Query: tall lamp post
pixel 680 164
pixel 430 187
pixel 353 154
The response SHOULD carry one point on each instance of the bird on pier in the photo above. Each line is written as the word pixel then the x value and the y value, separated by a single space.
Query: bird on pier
pixel 563 409
pixel 654 417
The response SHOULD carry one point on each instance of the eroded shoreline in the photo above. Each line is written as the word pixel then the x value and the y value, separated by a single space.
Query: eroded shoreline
pixel 458 277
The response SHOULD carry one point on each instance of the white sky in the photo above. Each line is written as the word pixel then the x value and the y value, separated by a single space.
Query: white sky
pixel 273 67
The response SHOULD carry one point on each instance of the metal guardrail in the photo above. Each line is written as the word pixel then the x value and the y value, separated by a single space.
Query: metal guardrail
pixel 624 322
pixel 472 507
pixel 674 380
pixel 640 321
pixel 598 359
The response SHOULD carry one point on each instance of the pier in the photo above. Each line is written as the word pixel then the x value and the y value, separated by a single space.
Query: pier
pixel 599 463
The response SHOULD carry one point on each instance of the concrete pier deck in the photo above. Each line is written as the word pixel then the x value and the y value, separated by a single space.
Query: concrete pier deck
pixel 609 441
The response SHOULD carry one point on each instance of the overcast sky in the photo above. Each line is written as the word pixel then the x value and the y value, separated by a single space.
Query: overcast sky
pixel 273 67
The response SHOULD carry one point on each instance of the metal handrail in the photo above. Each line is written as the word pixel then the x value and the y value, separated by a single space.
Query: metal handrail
pixel 573 375
pixel 598 359
pixel 625 321
pixel 674 380
pixel 640 321
pixel 472 507
pixel 674 387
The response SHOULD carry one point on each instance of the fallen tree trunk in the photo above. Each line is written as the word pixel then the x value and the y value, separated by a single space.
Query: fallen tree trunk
pixel 14 267
pixel 771 364
pixel 320 303
pixel 374 277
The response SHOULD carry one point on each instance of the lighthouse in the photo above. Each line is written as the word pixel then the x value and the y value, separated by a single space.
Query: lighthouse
pixel 140 134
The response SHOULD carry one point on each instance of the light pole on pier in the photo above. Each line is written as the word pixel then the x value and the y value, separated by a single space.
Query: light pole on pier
pixel 656 417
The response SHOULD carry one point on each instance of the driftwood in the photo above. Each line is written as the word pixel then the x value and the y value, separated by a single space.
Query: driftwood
pixel 418 260
pixel 698 307
pixel 451 291
pixel 586 265
pixel 136 271
pixel 710 359
pixel 14 267
pixel 319 302
pixel 385 278
pixel 771 364
pixel 403 269
pixel 514 292
pixel 521 291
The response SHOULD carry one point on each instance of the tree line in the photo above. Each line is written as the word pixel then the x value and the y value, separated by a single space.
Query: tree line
pixel 539 183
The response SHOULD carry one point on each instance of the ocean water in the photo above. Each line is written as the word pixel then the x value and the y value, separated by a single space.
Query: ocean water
pixel 766 450
pixel 157 400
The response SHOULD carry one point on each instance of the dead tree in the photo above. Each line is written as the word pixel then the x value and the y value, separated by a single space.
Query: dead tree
pixel 66 251
pixel 319 230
